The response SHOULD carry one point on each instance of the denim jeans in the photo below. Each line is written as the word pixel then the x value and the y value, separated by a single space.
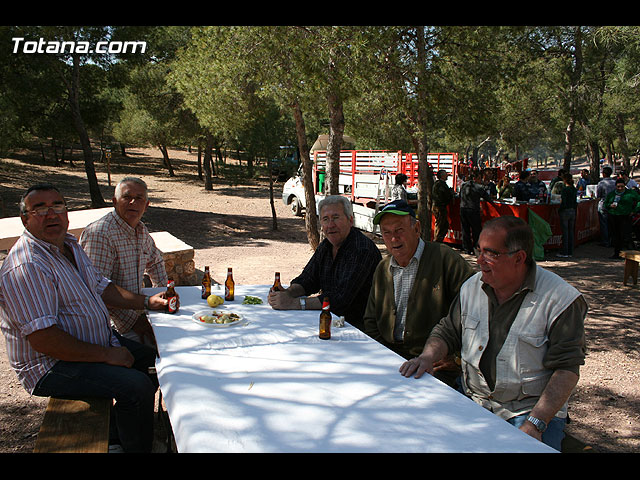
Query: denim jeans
pixel 552 436
pixel 605 237
pixel 568 218
pixel 132 388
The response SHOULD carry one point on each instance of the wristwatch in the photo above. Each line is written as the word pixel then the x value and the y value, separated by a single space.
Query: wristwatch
pixel 539 424
pixel 146 302
pixel 303 303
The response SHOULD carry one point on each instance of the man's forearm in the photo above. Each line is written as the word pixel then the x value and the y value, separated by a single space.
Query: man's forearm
pixel 56 343
pixel 118 297
pixel 555 394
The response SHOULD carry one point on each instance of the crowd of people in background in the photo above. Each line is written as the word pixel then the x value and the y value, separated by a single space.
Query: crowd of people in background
pixel 618 213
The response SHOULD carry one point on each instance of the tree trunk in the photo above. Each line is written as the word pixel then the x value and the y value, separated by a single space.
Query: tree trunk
pixel 623 146
pixel 334 144
pixel 206 162
pixel 274 216
pixel 74 101
pixel 568 145
pixel 425 173
pixel 593 153
pixel 311 219
pixel 166 160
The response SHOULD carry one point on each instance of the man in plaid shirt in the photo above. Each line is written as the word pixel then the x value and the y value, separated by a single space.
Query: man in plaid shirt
pixel 120 247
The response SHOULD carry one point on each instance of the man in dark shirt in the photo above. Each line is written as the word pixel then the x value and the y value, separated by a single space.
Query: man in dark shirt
pixel 341 267
pixel 471 192
pixel 521 189
pixel 442 195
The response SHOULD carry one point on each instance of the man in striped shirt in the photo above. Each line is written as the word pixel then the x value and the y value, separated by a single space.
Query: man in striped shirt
pixel 56 324
pixel 120 247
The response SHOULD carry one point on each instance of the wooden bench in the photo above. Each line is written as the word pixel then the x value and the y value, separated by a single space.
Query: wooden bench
pixel 632 257
pixel 75 426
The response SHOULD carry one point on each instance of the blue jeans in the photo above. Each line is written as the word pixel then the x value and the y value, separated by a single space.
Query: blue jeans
pixel 568 218
pixel 132 388
pixel 552 436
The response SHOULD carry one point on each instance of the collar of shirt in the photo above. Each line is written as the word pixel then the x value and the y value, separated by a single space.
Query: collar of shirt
pixel 69 240
pixel 125 226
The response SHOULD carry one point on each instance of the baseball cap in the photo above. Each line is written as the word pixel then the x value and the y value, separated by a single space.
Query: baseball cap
pixel 397 207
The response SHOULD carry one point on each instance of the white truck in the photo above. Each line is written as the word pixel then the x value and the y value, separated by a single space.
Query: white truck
pixel 366 177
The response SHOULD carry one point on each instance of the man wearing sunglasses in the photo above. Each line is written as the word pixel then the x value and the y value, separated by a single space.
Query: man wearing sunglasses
pixel 520 330
pixel 54 317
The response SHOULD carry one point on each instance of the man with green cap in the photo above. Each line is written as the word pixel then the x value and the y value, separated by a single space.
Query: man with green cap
pixel 412 287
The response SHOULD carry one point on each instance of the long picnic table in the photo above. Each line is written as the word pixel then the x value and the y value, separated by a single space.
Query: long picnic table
pixel 268 384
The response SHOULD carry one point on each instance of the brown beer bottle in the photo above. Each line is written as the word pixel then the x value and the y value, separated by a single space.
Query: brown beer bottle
pixel 172 297
pixel 229 286
pixel 325 320
pixel 206 283
pixel 276 284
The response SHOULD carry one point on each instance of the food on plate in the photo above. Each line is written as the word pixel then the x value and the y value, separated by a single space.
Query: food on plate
pixel 249 300
pixel 220 317
pixel 214 300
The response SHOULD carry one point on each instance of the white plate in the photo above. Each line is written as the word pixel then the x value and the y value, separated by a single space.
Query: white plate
pixel 196 318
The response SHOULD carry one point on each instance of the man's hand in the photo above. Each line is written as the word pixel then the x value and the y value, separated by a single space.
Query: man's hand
pixel 417 367
pixel 435 350
pixel 282 300
pixel 159 301
pixel 448 363
pixel 530 429
pixel 119 356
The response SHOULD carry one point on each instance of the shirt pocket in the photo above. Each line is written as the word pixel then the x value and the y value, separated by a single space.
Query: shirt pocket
pixel 472 345
pixel 531 350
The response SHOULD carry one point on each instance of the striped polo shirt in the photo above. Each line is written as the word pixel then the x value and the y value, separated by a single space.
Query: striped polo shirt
pixel 39 288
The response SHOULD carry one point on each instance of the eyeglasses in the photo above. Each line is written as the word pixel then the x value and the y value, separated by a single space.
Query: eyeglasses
pixel 43 211
pixel 328 219
pixel 490 256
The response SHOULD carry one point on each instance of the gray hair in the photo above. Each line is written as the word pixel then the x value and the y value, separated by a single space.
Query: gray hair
pixel 334 200
pixel 519 235
pixel 139 181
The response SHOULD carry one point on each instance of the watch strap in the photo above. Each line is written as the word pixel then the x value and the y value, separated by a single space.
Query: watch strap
pixel 539 424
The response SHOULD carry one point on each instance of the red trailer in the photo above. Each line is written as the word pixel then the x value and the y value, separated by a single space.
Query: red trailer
pixel 366 176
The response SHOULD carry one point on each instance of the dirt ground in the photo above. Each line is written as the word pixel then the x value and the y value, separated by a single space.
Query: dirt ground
pixel 231 226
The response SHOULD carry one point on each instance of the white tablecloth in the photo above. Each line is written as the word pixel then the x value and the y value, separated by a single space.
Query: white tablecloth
pixel 271 385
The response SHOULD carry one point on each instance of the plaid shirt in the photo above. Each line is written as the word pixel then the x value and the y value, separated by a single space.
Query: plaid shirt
pixel 40 288
pixel 346 280
pixel 123 254
pixel 403 278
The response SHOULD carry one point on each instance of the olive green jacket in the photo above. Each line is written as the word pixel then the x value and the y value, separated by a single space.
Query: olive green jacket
pixel 441 273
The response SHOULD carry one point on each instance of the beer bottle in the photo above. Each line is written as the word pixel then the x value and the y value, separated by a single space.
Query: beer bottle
pixel 172 297
pixel 325 320
pixel 276 284
pixel 229 286
pixel 206 283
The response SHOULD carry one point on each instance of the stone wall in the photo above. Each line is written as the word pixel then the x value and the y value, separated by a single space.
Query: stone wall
pixel 178 258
